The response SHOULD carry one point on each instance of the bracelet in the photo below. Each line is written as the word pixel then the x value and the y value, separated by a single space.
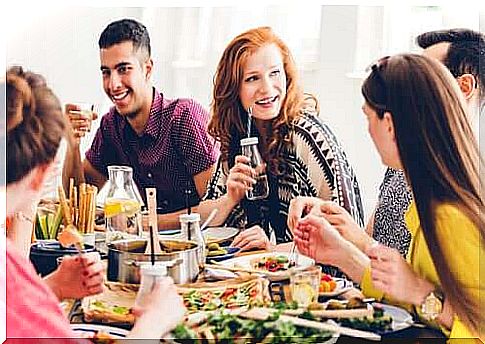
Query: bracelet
pixel 20 216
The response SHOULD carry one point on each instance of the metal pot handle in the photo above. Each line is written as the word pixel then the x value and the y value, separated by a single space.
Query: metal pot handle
pixel 168 263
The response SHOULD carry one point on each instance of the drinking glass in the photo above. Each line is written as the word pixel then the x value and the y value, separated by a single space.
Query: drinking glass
pixel 304 285
pixel 85 111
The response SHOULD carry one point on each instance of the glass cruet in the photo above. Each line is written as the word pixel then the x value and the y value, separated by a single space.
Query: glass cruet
pixel 122 205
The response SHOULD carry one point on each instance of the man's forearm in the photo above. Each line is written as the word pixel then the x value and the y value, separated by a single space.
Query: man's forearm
pixel 223 205
pixel 73 167
pixel 171 220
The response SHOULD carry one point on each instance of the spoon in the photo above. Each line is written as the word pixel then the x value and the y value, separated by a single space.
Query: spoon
pixel 152 246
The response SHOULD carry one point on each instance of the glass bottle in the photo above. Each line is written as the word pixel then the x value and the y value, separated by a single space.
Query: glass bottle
pixel 249 148
pixel 190 228
pixel 150 274
pixel 122 205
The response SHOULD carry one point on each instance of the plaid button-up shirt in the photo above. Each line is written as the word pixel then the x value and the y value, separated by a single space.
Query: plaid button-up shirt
pixel 173 148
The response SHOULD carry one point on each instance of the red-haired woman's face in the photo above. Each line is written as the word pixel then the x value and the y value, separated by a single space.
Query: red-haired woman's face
pixel 263 86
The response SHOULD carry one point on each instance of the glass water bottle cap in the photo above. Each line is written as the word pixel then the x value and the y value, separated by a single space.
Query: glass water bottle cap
pixel 194 217
pixel 249 141
pixel 120 168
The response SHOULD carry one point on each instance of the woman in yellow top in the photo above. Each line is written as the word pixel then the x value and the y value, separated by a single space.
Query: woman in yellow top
pixel 417 121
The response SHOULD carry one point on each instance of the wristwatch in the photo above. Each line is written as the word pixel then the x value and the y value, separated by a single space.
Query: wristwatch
pixel 432 305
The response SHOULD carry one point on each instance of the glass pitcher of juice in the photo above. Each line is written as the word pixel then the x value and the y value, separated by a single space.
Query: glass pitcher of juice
pixel 122 205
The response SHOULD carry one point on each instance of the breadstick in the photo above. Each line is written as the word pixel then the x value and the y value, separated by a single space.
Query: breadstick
pixel 71 192
pixel 93 208
pixel 75 207
pixel 82 205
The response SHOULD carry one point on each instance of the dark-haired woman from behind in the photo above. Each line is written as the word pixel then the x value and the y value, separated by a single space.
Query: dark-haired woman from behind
pixel 417 120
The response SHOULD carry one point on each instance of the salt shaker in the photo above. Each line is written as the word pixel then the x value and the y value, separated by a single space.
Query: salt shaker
pixel 150 274
pixel 190 228
pixel 260 190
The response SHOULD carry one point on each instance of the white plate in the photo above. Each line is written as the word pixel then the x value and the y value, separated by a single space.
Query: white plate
pixel 245 262
pixel 220 234
pixel 343 285
pixel 169 232
pixel 89 330
pixel 401 319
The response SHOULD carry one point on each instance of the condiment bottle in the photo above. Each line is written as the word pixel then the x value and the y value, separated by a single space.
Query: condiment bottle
pixel 150 274
pixel 190 227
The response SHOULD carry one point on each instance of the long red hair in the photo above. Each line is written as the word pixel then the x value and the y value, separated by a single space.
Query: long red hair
pixel 229 118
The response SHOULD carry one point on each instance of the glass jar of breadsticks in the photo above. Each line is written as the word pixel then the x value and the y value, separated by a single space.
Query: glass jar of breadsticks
pixel 82 209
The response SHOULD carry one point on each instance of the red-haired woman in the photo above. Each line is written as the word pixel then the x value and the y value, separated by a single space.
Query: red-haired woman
pixel 303 157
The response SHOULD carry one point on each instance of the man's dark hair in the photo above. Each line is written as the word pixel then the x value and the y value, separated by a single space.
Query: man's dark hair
pixel 125 30
pixel 466 53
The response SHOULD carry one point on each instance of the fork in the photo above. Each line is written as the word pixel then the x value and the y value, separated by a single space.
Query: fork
pixel 292 255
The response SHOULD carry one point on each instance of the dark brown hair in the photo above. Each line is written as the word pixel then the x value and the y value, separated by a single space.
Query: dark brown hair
pixel 466 53
pixel 35 123
pixel 126 30
pixel 438 151
pixel 228 121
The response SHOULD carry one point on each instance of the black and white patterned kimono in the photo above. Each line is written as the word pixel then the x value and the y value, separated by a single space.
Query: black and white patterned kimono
pixel 316 166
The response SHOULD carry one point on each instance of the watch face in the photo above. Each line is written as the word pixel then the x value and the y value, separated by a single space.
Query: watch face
pixel 431 307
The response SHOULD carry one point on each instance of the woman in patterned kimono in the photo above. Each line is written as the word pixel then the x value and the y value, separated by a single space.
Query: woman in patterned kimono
pixel 302 155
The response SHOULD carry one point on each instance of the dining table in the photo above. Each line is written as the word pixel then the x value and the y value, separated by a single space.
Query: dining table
pixel 280 292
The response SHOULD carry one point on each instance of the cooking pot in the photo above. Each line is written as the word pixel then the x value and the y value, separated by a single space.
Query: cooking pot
pixel 44 254
pixel 179 256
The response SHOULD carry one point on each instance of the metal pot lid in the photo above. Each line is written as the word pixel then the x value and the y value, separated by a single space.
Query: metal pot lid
pixel 137 246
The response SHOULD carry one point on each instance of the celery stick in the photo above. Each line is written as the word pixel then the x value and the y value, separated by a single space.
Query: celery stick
pixel 50 225
pixel 43 227
pixel 38 229
pixel 57 222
